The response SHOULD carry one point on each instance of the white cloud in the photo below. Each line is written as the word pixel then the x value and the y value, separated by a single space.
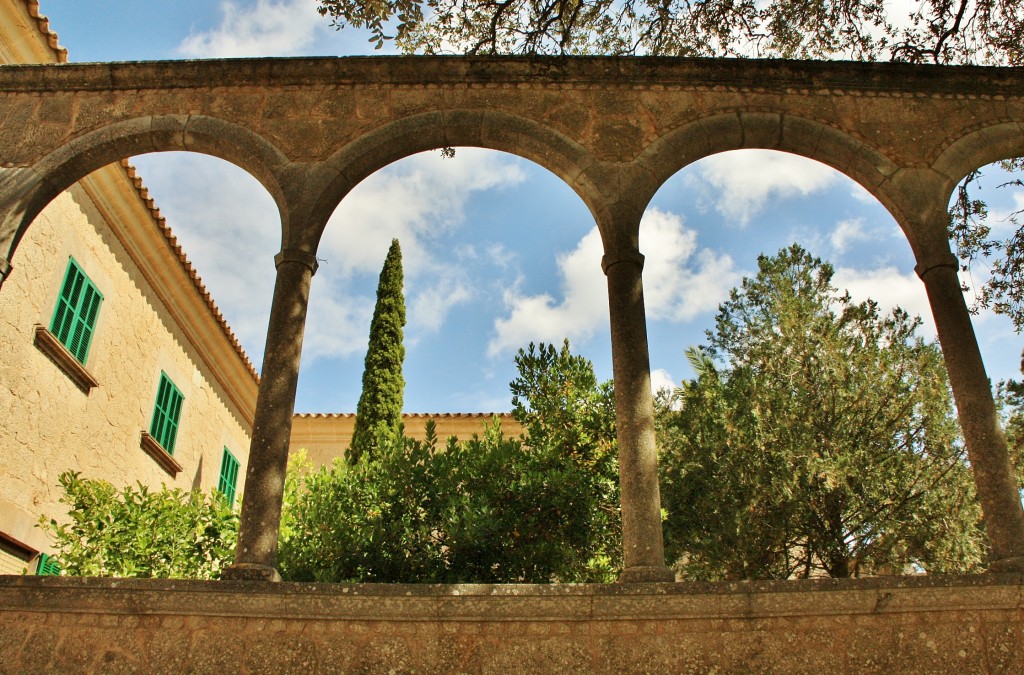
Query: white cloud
pixel 539 318
pixel 661 379
pixel 430 307
pixel 415 200
pixel 889 288
pixel 228 226
pixel 739 183
pixel 680 282
pixel 847 232
pixel 1001 219
pixel 268 28
pixel 230 229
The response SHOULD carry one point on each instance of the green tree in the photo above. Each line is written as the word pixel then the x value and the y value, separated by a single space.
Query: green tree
pixel 489 509
pixel 817 438
pixel 380 403
pixel 977 245
pixel 1011 398
pixel 138 532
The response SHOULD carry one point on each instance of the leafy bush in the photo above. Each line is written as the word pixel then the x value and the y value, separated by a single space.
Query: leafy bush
pixel 490 509
pixel 486 510
pixel 138 532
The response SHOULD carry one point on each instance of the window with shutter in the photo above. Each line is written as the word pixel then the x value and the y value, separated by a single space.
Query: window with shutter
pixel 166 413
pixel 47 566
pixel 74 318
pixel 228 477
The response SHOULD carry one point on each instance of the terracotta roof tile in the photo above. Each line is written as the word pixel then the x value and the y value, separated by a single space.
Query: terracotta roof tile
pixel 43 24
pixel 501 415
pixel 186 265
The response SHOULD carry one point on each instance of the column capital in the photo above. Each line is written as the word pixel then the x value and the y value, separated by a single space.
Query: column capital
pixel 5 269
pixel 616 257
pixel 297 255
pixel 929 262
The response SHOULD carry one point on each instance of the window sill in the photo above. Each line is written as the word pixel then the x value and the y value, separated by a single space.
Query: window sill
pixel 161 456
pixel 48 344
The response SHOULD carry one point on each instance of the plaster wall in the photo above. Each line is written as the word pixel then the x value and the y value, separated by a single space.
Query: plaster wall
pixel 326 436
pixel 885 625
pixel 49 424
pixel 155 316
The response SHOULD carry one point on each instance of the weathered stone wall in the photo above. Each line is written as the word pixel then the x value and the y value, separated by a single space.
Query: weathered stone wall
pixel 885 625
pixel 49 425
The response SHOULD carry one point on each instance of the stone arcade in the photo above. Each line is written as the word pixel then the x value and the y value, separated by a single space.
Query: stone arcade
pixel 614 129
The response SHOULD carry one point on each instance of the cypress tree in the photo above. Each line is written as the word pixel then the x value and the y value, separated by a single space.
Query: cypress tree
pixel 380 404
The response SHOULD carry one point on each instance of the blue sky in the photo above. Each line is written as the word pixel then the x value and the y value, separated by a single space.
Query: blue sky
pixel 498 251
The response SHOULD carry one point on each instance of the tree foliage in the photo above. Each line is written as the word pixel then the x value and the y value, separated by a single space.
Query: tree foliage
pixel 139 532
pixel 380 403
pixel 1011 396
pixel 936 31
pixel 817 438
pixel 1003 290
pixel 486 509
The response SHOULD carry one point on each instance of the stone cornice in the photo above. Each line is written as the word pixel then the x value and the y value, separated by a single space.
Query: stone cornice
pixel 744 75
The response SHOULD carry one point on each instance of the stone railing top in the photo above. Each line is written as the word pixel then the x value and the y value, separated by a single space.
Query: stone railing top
pixel 605 72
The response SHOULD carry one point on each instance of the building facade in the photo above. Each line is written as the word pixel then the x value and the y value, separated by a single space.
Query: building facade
pixel 114 360
pixel 326 436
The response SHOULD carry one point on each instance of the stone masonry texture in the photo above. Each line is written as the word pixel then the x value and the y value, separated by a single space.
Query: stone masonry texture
pixel 881 625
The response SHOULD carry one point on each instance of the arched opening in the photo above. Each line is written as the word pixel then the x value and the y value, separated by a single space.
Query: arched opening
pixel 484 235
pixel 497 252
pixel 771 355
pixel 120 365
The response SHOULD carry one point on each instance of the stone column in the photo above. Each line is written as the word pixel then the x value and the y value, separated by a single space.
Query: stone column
pixel 643 550
pixel 986 445
pixel 256 556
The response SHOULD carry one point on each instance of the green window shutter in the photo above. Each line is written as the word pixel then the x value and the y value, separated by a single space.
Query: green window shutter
pixel 47 567
pixel 228 476
pixel 74 318
pixel 166 413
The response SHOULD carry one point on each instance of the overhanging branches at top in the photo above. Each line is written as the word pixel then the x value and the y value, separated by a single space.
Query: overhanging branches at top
pixel 989 32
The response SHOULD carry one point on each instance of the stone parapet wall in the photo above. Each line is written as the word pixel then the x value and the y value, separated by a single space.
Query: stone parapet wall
pixel 885 625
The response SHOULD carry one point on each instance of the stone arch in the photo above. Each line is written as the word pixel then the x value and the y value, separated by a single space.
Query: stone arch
pixel 800 136
pixel 978 148
pixel 405 137
pixel 71 162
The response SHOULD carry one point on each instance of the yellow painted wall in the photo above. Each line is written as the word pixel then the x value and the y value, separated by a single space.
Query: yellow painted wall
pixel 326 436
pixel 49 425
pixel 153 318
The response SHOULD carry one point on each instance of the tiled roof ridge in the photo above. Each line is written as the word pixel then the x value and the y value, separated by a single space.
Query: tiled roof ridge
pixel 43 24
pixel 448 415
pixel 186 264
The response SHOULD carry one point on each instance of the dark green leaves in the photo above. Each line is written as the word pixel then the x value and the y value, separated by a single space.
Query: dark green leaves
pixel 379 410
pixel 821 441
pixel 488 509
pixel 138 532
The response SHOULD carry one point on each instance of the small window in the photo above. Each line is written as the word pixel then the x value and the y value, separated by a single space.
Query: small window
pixel 47 566
pixel 74 318
pixel 166 413
pixel 228 477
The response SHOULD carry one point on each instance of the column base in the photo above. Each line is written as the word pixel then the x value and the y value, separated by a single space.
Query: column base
pixel 647 574
pixel 1007 565
pixel 250 572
